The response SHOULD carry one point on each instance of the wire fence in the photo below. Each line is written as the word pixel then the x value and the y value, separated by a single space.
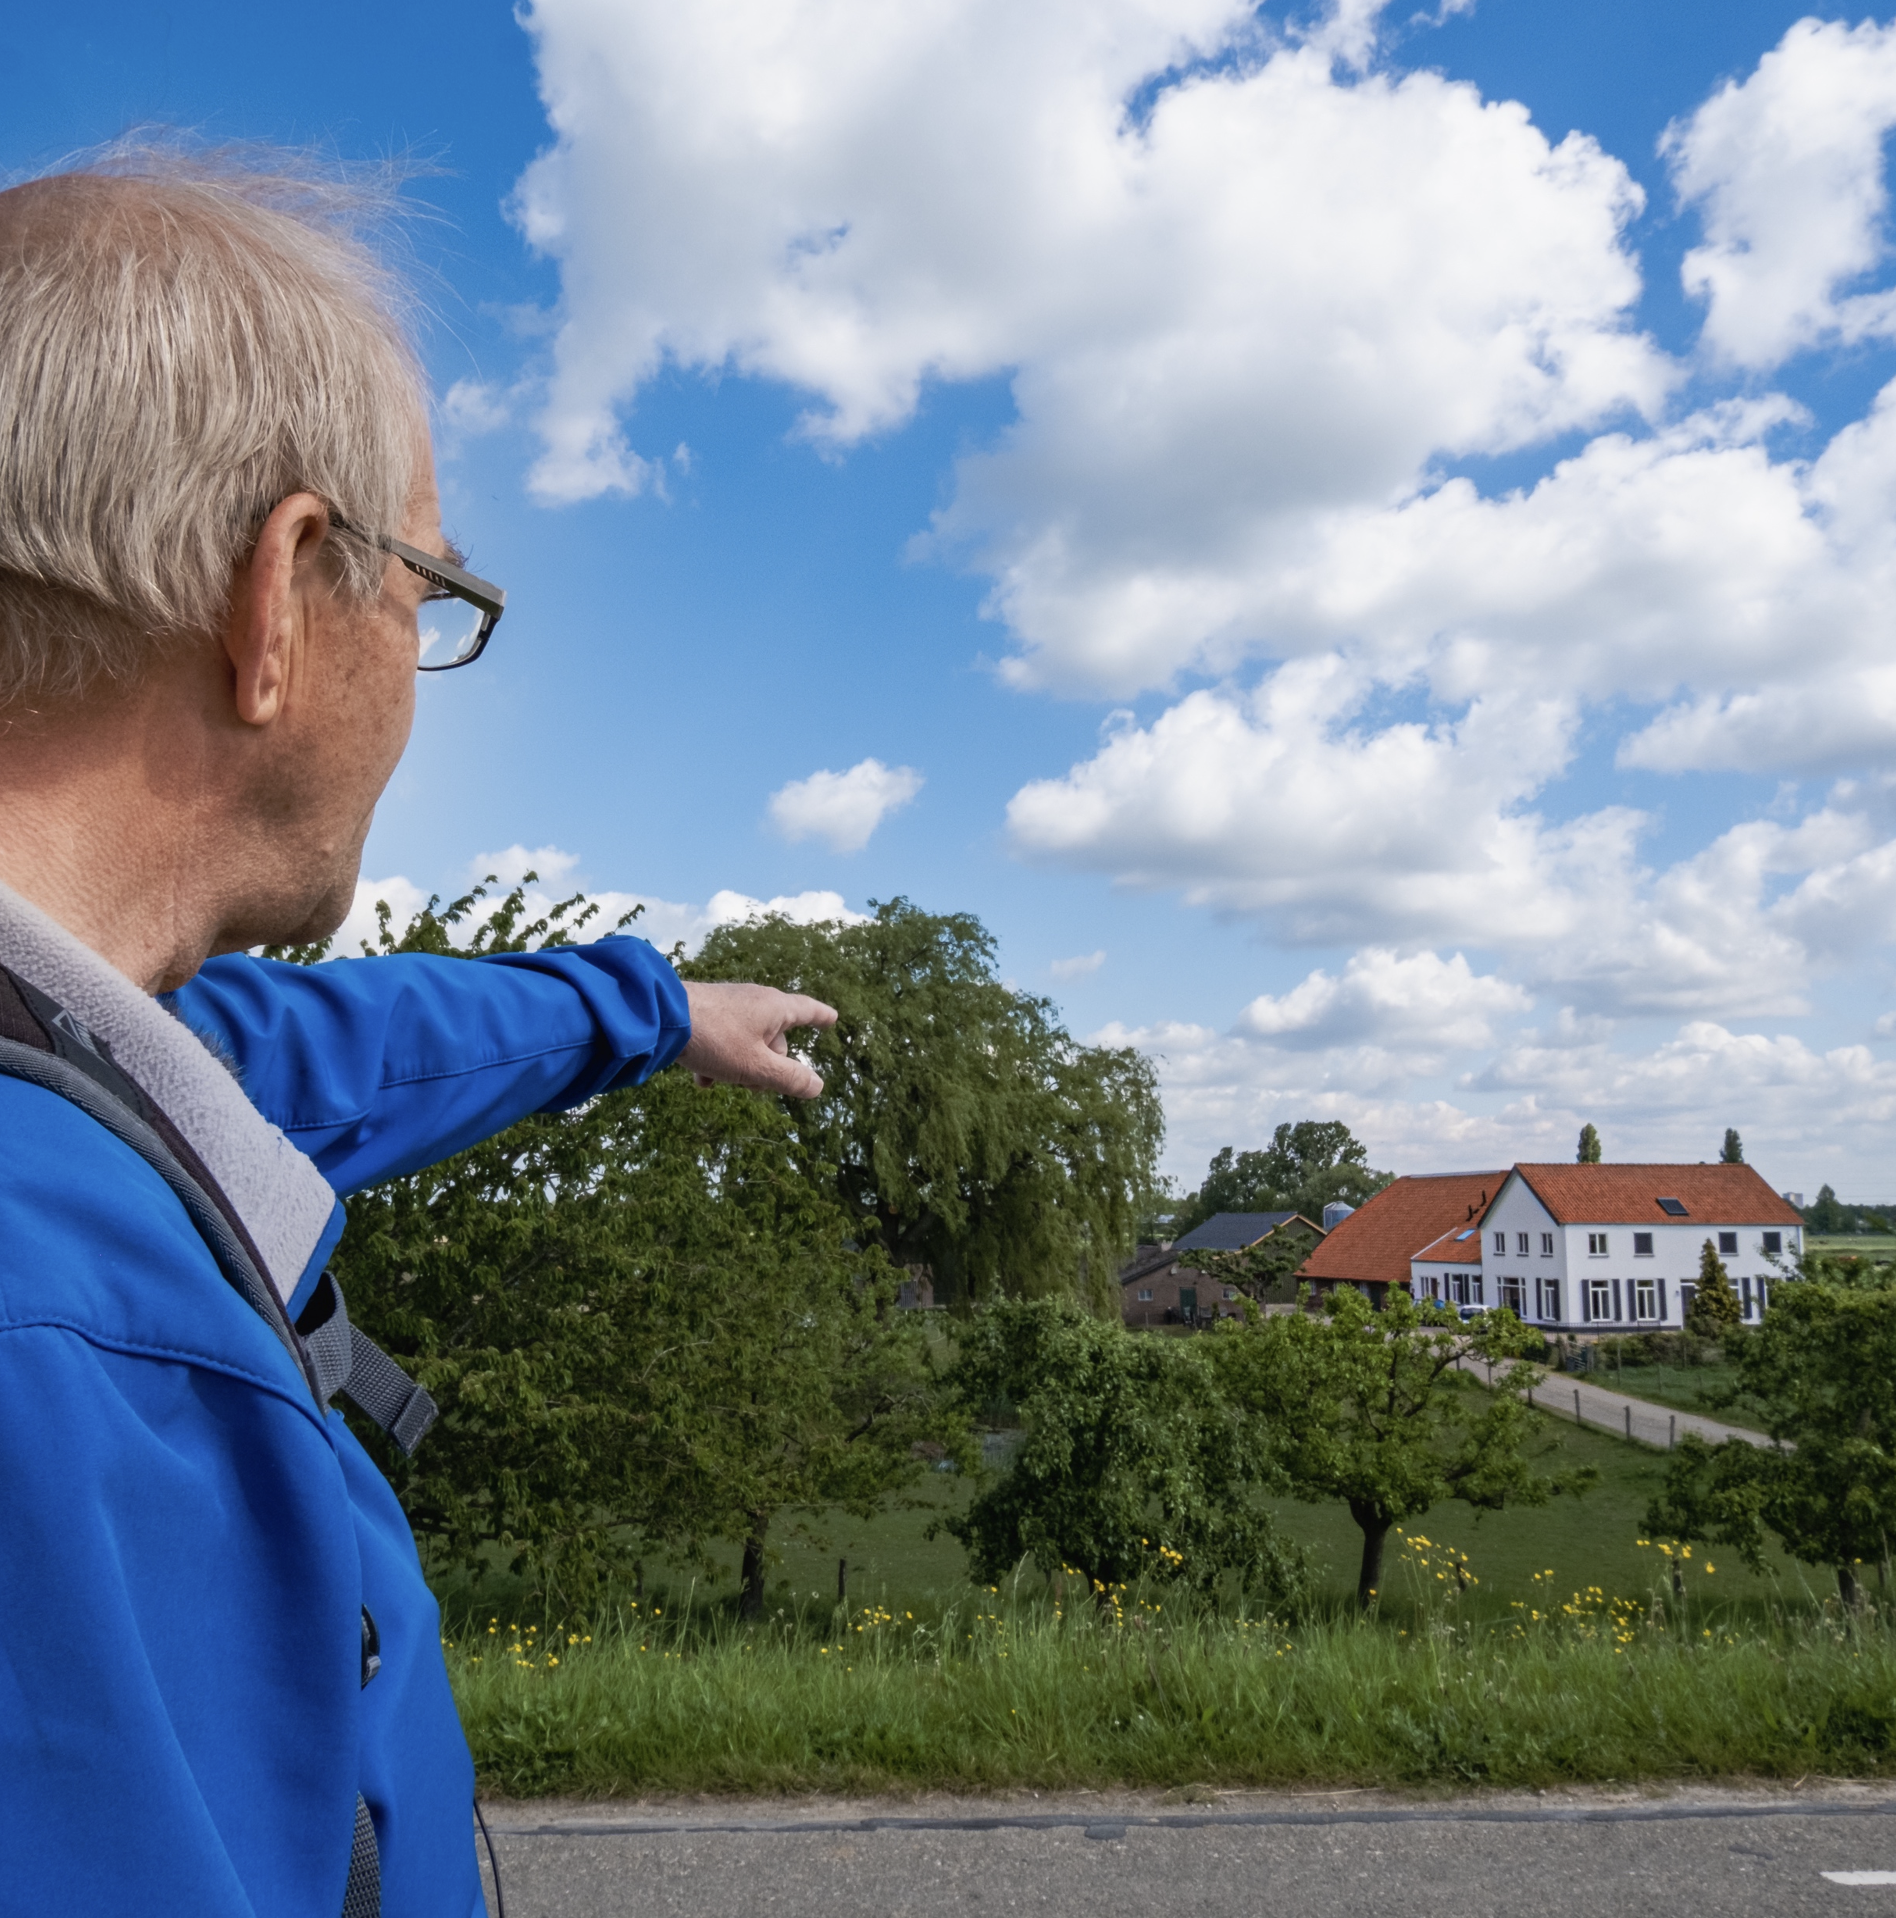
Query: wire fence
pixel 1637 1419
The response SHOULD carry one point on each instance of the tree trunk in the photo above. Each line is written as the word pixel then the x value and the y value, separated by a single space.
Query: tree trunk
pixel 1375 1530
pixel 1848 1589
pixel 750 1596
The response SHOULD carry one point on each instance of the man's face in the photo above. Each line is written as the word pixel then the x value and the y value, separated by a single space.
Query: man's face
pixel 350 709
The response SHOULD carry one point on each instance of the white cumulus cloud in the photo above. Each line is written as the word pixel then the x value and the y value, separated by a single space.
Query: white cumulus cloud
pixel 843 808
pixel 1421 1000
pixel 665 922
pixel 1282 294
pixel 1786 169
pixel 1082 966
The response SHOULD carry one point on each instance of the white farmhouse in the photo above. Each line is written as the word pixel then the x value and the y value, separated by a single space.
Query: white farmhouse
pixel 1616 1247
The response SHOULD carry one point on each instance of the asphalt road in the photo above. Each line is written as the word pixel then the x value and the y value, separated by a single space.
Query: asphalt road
pixel 1723 1852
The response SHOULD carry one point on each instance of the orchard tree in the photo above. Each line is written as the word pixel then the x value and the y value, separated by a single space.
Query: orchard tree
pixel 1130 1463
pixel 1715 1308
pixel 1370 1407
pixel 962 1129
pixel 1589 1152
pixel 1304 1168
pixel 1820 1374
pixel 1260 1270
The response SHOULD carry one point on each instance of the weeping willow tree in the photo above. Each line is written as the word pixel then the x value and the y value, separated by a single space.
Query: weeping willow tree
pixel 963 1129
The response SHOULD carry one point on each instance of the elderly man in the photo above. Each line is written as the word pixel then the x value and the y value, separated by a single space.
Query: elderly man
pixel 221 556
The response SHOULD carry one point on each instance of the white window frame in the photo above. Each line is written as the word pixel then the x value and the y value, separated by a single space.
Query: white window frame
pixel 1596 1245
pixel 1599 1301
pixel 1501 1243
pixel 1145 1295
pixel 1646 1299
pixel 1547 1300
pixel 1514 1296
pixel 1520 1245
pixel 1547 1245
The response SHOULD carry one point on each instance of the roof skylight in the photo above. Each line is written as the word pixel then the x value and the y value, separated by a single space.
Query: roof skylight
pixel 1673 1208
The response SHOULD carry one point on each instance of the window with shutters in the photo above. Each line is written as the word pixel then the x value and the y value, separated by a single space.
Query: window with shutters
pixel 1514 1297
pixel 1549 1290
pixel 1646 1299
pixel 1600 1298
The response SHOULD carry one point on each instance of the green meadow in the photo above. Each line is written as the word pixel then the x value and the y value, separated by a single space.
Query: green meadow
pixel 1521 1647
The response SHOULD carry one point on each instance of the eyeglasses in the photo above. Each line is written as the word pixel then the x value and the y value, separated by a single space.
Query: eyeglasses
pixel 467 608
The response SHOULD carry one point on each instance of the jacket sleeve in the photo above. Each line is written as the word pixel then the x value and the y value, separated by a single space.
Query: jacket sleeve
pixel 376 1067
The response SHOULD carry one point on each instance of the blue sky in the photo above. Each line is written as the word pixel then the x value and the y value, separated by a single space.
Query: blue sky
pixel 1409 595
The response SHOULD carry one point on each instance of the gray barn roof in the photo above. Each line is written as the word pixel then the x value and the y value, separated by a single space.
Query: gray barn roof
pixel 1230 1231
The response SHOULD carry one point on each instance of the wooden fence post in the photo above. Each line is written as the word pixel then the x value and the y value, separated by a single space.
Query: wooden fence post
pixel 1576 1405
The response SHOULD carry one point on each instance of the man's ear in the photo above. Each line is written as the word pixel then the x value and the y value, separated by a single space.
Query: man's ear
pixel 269 606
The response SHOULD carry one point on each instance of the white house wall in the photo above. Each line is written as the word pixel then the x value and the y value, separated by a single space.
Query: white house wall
pixel 1642 1279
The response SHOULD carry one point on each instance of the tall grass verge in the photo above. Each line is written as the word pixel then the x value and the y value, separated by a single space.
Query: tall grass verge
pixel 1129 1690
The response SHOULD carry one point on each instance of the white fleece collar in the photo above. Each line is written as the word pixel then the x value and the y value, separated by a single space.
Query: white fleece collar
pixel 282 1199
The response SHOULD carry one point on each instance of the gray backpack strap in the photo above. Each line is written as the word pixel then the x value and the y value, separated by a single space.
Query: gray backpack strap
pixel 362 1895
pixel 347 1360
pixel 54 1074
pixel 333 1355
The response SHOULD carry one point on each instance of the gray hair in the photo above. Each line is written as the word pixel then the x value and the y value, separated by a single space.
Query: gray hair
pixel 185 340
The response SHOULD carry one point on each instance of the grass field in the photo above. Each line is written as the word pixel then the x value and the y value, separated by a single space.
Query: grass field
pixel 997 1692
pixel 1687 1390
pixel 1569 1658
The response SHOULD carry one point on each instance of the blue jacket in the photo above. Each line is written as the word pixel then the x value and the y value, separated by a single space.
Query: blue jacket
pixel 186 1543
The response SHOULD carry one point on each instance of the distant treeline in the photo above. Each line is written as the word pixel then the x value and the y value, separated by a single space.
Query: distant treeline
pixel 1831 1214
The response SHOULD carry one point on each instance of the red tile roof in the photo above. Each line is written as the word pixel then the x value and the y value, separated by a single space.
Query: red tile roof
pixel 1630 1194
pixel 1377 1241
pixel 1453 1249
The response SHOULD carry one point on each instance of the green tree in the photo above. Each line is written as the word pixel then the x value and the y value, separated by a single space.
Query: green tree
pixel 1304 1168
pixel 1820 1373
pixel 1130 1465
pixel 1734 1152
pixel 1589 1152
pixel 963 1130
pixel 1370 1408
pixel 1265 1270
pixel 1715 1308
pixel 1828 1216
pixel 642 1321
